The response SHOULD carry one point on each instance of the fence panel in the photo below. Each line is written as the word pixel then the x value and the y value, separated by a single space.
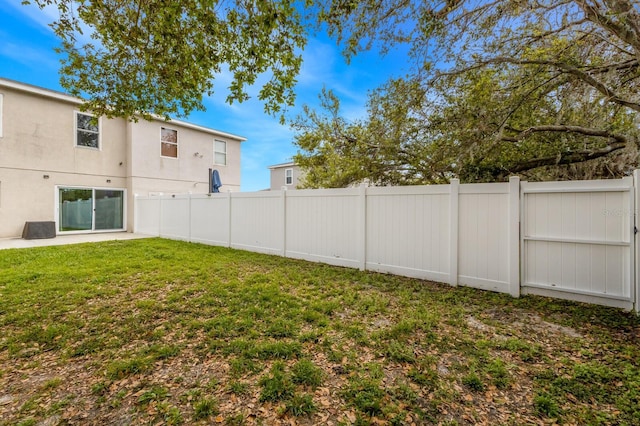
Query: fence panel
pixel 324 225
pixel 408 231
pixel 174 217
pixel 147 216
pixel 483 243
pixel 578 239
pixel 210 219
pixel 257 221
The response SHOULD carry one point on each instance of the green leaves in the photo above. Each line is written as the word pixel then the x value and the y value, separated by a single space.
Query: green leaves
pixel 547 90
pixel 161 57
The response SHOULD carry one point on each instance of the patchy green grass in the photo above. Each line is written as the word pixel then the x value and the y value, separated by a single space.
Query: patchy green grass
pixel 307 373
pixel 157 331
pixel 277 385
pixel 205 408
pixel 301 405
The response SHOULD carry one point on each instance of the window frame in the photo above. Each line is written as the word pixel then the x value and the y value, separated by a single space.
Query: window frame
pixel 215 151
pixel 93 191
pixel 78 129
pixel 288 180
pixel 176 143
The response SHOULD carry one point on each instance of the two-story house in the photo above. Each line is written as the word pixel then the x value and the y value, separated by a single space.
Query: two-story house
pixel 62 165
pixel 285 175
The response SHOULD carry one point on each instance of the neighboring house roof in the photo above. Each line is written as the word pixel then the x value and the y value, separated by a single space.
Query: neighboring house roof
pixel 277 166
pixel 53 94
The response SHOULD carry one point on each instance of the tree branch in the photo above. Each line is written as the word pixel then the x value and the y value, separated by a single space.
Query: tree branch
pixel 618 28
pixel 631 63
pixel 587 131
pixel 585 77
pixel 567 158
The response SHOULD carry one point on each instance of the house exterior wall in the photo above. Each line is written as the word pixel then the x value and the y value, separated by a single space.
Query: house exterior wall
pixel 38 140
pixel 278 176
pixel 38 153
pixel 188 172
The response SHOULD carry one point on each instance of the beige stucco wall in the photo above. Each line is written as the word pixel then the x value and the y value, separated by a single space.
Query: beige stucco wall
pixel 39 134
pixel 16 208
pixel 277 177
pixel 189 172
pixel 150 173
pixel 38 139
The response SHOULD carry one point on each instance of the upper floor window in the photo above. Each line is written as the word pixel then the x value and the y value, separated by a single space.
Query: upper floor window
pixel 87 131
pixel 288 176
pixel 169 142
pixel 220 153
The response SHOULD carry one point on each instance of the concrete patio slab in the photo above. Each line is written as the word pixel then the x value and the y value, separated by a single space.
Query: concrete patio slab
pixel 8 243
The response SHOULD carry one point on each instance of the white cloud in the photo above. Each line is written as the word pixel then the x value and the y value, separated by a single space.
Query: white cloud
pixel 37 57
pixel 319 62
pixel 39 17
pixel 43 17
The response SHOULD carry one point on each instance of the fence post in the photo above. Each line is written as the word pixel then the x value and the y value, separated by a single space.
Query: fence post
pixel 283 198
pixel 513 235
pixel 635 280
pixel 160 206
pixel 190 218
pixel 454 190
pixel 362 255
pixel 230 220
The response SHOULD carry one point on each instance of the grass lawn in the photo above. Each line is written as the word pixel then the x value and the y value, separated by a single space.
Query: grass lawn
pixel 165 332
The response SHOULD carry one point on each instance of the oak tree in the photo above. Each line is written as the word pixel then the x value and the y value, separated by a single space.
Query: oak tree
pixel 161 56
pixel 501 87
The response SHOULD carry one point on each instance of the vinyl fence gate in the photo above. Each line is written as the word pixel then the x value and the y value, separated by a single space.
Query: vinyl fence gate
pixel 577 240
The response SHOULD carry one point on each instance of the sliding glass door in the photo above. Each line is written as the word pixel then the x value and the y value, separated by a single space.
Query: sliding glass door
pixel 90 209
pixel 75 209
pixel 109 209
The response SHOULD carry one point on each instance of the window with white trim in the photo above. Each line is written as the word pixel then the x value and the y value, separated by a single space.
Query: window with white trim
pixel 87 131
pixel 288 176
pixel 169 142
pixel 220 153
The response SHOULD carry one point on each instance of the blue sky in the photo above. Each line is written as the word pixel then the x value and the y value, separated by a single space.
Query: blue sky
pixel 26 55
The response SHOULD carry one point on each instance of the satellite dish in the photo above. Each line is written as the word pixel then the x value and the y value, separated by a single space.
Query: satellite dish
pixel 216 183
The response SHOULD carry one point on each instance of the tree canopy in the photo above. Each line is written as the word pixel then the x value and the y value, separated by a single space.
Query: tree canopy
pixel 160 56
pixel 500 87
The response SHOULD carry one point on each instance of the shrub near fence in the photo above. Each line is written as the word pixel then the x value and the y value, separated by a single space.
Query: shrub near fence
pixel 461 234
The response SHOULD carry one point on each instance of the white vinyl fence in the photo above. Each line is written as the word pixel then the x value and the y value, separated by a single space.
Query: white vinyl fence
pixel 578 240
pixel 563 239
